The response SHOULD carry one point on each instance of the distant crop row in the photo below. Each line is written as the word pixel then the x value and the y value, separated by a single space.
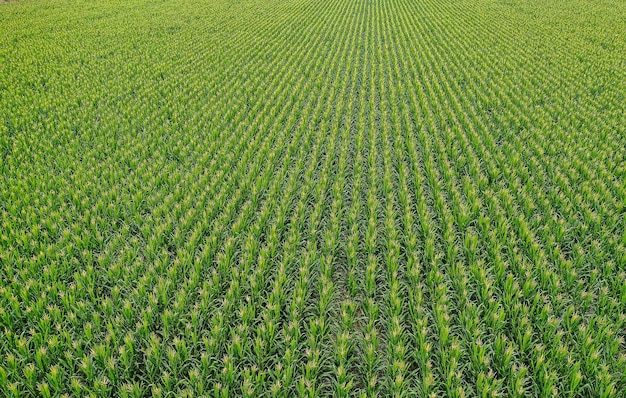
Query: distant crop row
pixel 312 198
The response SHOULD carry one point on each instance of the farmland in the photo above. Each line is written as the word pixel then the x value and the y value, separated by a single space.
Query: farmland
pixel 406 198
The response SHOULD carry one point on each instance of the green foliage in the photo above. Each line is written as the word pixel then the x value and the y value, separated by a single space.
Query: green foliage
pixel 312 198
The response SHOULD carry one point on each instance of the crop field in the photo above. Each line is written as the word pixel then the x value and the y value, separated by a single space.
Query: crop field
pixel 303 198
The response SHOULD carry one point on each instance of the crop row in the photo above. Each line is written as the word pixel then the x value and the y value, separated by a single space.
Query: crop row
pixel 322 198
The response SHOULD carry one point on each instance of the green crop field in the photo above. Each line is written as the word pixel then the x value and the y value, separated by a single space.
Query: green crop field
pixel 302 198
